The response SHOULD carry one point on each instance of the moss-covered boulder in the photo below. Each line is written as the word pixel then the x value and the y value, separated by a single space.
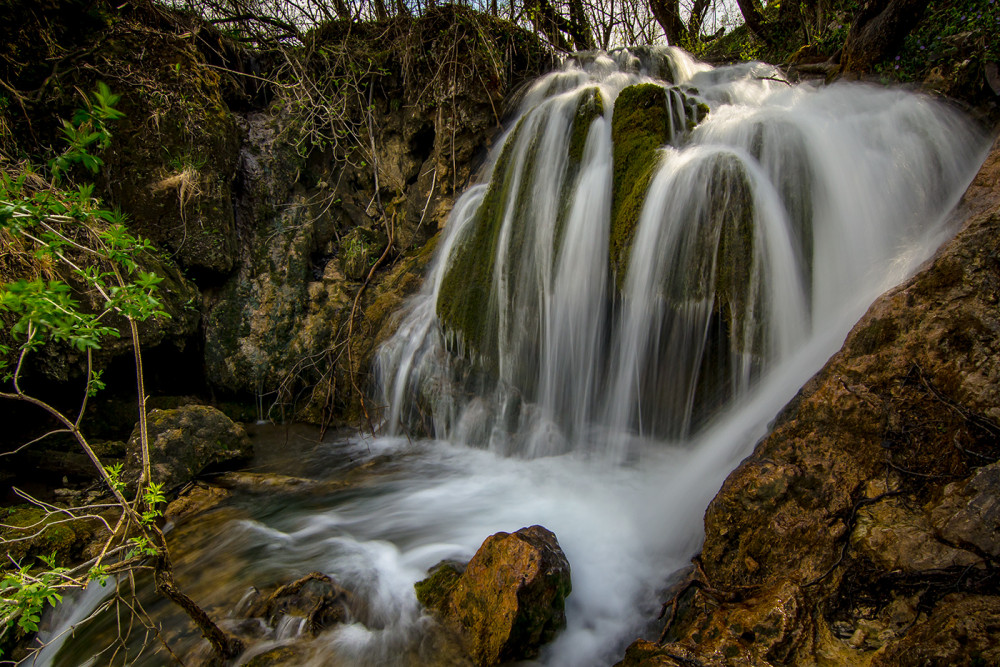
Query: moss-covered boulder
pixel 647 116
pixel 435 591
pixel 509 601
pixel 28 532
pixel 185 441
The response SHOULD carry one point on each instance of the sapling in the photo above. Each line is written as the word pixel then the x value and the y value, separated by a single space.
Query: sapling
pixel 86 286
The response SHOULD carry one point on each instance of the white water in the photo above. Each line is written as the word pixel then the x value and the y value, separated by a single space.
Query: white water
pixel 590 429
pixel 608 453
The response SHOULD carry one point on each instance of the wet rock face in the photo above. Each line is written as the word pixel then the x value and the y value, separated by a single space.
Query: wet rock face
pixel 509 600
pixel 311 604
pixel 864 528
pixel 313 223
pixel 185 441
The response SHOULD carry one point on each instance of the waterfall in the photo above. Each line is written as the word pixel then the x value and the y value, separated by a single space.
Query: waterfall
pixel 658 256
pixel 652 238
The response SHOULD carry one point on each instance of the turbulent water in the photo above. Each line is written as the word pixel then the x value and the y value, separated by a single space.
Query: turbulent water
pixel 608 400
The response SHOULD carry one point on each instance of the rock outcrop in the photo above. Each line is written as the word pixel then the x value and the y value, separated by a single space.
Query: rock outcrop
pixel 508 601
pixel 863 529
pixel 322 223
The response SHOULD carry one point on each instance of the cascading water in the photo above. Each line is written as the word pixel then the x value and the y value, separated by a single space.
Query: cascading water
pixel 633 266
pixel 647 274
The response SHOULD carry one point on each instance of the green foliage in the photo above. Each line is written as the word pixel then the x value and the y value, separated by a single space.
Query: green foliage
pixel 84 271
pixel 47 312
pixel 23 595
pixel 88 131
pixel 951 31
pixel 67 231
pixel 141 548
pixel 151 497
pixel 114 472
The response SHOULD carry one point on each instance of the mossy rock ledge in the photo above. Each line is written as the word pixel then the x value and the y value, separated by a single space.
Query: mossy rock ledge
pixel 508 601
pixel 647 116
pixel 464 304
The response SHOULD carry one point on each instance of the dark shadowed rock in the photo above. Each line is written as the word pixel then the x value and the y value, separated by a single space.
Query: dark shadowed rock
pixel 315 601
pixel 962 630
pixel 185 441
pixel 969 512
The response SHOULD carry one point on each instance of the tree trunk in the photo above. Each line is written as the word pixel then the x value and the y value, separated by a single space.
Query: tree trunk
pixel 878 31
pixel 696 21
pixel 580 30
pixel 668 15
pixel 753 15
pixel 343 11
pixel 550 24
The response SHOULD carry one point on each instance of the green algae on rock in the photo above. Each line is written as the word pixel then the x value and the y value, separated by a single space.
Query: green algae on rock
pixel 646 117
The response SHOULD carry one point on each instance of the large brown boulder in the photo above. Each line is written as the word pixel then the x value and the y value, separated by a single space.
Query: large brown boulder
pixel 185 441
pixel 509 600
pixel 862 530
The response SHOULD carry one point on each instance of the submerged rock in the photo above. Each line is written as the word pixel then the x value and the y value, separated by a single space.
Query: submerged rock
pixel 197 499
pixel 310 604
pixel 184 442
pixel 508 601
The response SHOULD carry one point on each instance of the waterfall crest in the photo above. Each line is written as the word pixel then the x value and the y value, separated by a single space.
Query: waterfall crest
pixel 652 237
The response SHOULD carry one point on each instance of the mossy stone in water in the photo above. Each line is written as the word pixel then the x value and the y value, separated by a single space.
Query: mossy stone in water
pixel 435 591
pixel 466 288
pixel 639 127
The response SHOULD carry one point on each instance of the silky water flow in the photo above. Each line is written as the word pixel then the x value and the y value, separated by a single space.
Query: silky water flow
pixel 596 369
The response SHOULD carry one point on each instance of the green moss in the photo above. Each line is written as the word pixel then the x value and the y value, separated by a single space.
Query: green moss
pixel 64 541
pixel 590 106
pixel 435 591
pixel 639 127
pixel 646 117
pixel 466 288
